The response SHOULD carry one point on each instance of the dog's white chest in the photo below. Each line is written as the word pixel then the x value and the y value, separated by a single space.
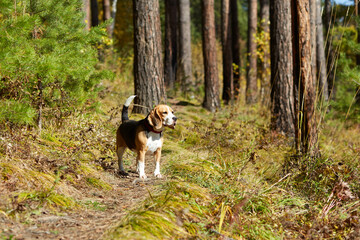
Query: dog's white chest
pixel 154 142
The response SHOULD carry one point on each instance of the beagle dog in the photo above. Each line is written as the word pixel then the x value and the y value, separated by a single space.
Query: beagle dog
pixel 144 136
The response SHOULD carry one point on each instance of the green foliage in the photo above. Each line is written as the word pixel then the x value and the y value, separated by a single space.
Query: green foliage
pixel 47 58
pixel 17 112
pixel 347 72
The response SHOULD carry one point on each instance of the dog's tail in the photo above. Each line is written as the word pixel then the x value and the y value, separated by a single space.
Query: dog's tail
pixel 124 113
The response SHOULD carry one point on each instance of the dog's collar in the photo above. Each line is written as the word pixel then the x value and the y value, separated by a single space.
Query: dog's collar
pixel 150 128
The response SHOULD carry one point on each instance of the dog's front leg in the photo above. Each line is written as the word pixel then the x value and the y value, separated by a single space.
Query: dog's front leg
pixel 157 156
pixel 141 164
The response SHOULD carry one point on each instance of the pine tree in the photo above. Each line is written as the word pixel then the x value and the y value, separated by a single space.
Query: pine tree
pixel 47 58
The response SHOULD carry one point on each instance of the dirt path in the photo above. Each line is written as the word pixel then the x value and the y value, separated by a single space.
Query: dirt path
pixel 106 209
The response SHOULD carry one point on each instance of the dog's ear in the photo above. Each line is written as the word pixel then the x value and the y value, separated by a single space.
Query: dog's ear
pixel 154 119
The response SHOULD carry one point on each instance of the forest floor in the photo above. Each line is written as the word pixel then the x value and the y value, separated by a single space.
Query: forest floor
pixel 44 196
pixel 226 176
pixel 106 208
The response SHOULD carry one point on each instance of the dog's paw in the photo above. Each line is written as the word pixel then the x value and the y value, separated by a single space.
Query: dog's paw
pixel 158 175
pixel 123 173
pixel 144 177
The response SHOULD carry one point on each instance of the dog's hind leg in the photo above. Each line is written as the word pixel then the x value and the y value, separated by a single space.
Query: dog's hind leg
pixel 120 152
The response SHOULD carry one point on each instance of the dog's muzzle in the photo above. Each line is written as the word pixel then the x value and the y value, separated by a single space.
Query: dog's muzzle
pixel 172 126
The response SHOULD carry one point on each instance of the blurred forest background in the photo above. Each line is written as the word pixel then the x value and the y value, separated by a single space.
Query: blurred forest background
pixel 268 94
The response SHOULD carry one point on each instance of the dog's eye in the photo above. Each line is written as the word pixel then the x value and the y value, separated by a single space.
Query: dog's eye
pixel 164 112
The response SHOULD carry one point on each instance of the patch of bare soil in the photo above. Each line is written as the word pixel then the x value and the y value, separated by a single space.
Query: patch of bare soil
pixel 105 208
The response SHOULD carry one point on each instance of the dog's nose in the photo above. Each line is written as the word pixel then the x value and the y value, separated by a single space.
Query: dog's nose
pixel 174 118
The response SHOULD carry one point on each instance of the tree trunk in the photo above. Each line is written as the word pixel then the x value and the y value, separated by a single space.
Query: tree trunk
pixel 357 13
pixel 123 32
pixel 184 74
pixel 113 16
pixel 235 46
pixel 265 63
pixel 330 63
pixel 312 13
pixel 226 40
pixel 282 92
pixel 94 13
pixel 40 99
pixel 171 36
pixel 87 17
pixel 251 83
pixel 107 14
pixel 320 55
pixel 211 100
pixel 148 68
pixel 303 72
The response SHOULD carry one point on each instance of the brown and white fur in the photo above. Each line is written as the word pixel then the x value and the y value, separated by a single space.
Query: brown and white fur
pixel 144 136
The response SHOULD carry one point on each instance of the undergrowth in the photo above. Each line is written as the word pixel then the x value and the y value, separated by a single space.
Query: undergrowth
pixel 227 175
pixel 245 182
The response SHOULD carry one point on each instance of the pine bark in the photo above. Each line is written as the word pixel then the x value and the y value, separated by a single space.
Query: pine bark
pixel 184 72
pixel 312 13
pixel 226 39
pixel 357 13
pixel 87 17
pixel 330 63
pixel 211 99
pixel 303 72
pixel 265 63
pixel 94 13
pixel 107 14
pixel 251 82
pixel 320 55
pixel 148 67
pixel 282 92
pixel 113 16
pixel 235 47
pixel 171 36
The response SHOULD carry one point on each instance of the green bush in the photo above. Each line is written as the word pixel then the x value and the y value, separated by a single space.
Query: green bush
pixel 17 112
pixel 347 72
pixel 47 58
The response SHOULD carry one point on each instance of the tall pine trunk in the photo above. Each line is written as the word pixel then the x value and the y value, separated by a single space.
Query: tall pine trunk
pixel 94 13
pixel 211 99
pixel 226 40
pixel 320 54
pixel 357 13
pixel 330 56
pixel 251 81
pixel 303 78
pixel 282 92
pixel 171 36
pixel 113 16
pixel 312 15
pixel 265 63
pixel 148 67
pixel 235 46
pixel 184 71
pixel 40 99
pixel 107 14
pixel 87 16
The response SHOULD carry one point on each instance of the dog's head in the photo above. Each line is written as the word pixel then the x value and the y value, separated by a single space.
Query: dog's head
pixel 162 116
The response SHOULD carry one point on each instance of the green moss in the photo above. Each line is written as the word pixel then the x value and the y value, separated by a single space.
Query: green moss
pixel 95 182
pixel 49 198
pixel 171 213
